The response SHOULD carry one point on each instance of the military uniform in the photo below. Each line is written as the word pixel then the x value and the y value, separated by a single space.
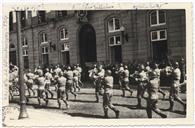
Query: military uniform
pixel 152 100
pixel 76 79
pixel 29 82
pixel 48 78
pixel 125 82
pixel 61 81
pixel 69 82
pixel 174 91
pixel 107 96
pixel 41 89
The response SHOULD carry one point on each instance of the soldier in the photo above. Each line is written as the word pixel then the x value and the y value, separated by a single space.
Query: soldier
pixel 98 79
pixel 108 93
pixel 40 80
pixel 148 68
pixel 125 81
pixel 29 82
pixel 69 82
pixel 61 82
pixel 152 100
pixel 174 91
pixel 48 79
pixel 80 72
pixel 120 74
pixel 142 82
pixel 158 71
pixel 76 79
pixel 57 69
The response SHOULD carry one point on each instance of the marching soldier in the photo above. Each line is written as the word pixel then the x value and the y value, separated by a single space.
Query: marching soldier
pixel 108 93
pixel 61 82
pixel 174 91
pixel 41 88
pixel 125 81
pixel 48 79
pixel 98 78
pixel 76 79
pixel 69 82
pixel 142 82
pixel 29 82
pixel 80 72
pixel 152 100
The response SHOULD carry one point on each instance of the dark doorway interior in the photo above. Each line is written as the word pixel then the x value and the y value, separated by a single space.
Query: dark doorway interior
pixel 116 54
pixel 45 60
pixel 26 62
pixel 12 57
pixel 87 44
pixel 65 58
pixel 159 50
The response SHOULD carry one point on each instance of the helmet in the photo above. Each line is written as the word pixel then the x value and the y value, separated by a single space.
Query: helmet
pixel 142 67
pixel 109 72
pixel 60 73
pixel 125 67
pixel 153 74
pixel 69 68
pixel 176 64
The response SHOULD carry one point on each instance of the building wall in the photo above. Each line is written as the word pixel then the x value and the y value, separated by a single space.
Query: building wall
pixel 136 23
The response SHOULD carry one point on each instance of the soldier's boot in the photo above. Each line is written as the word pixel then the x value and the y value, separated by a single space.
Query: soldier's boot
pixel 131 92
pixel 46 101
pixel 27 99
pixel 97 96
pixel 139 103
pixel 106 113
pixel 39 101
pixel 158 111
pixel 171 105
pixel 59 104
pixel 181 102
pixel 66 95
pixel 149 112
pixel 123 93
pixel 33 92
pixel 117 112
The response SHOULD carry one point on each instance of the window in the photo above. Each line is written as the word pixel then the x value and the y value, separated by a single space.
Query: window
pixel 61 13
pixel 24 42
pixel 157 18
pixel 41 17
pixel 114 40
pixel 113 25
pixel 45 50
pixel 43 38
pixel 23 18
pixel 25 52
pixel 65 47
pixel 10 21
pixel 158 35
pixel 29 14
pixel 63 34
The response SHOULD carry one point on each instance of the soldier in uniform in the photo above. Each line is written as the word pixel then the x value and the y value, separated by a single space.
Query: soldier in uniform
pixel 40 81
pixel 79 77
pixel 174 91
pixel 48 79
pixel 98 80
pixel 125 81
pixel 29 82
pixel 152 100
pixel 76 79
pixel 108 93
pixel 142 79
pixel 69 82
pixel 61 82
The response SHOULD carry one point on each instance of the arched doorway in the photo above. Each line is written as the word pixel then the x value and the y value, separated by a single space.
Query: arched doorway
pixel 12 54
pixel 87 44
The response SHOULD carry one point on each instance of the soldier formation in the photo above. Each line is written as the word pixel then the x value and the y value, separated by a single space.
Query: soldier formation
pixel 148 78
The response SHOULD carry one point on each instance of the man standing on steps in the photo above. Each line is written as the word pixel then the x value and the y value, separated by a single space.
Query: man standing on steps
pixel 107 84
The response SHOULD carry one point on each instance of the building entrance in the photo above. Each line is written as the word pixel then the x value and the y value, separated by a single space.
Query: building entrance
pixel 87 44
pixel 12 57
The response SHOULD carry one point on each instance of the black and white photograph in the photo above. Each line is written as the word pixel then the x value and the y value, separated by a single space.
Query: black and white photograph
pixel 66 65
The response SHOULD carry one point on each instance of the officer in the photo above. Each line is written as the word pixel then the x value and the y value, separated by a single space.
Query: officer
pixel 76 79
pixel 107 83
pixel 152 100
pixel 40 81
pixel 61 82
pixel 142 79
pixel 125 81
pixel 174 91
pixel 48 79
pixel 69 82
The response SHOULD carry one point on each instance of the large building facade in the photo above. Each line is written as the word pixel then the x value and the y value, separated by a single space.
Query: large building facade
pixel 114 36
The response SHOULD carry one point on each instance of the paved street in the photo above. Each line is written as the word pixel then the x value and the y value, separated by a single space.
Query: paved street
pixel 85 105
